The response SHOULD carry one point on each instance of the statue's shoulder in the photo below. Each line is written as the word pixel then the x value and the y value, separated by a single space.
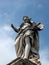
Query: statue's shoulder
pixel 21 25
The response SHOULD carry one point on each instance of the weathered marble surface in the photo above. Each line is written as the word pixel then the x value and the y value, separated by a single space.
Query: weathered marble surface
pixel 20 61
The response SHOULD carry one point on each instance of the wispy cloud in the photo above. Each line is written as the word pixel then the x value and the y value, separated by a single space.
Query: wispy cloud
pixel 39 5
pixel 6 28
pixel 44 56
pixel 7 50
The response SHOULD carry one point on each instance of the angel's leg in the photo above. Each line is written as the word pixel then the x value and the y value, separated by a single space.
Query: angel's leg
pixel 27 47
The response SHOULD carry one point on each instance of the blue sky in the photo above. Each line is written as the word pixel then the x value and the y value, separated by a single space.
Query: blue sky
pixel 12 11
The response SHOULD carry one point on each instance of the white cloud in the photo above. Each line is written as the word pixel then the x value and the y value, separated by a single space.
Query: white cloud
pixel 44 56
pixel 6 28
pixel 7 50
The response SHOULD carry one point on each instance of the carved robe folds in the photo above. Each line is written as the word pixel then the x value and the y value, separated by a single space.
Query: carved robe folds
pixel 33 35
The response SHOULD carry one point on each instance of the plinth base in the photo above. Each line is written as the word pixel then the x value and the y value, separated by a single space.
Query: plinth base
pixel 20 61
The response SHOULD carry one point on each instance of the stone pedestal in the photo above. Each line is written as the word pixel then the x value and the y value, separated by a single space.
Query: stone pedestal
pixel 20 61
